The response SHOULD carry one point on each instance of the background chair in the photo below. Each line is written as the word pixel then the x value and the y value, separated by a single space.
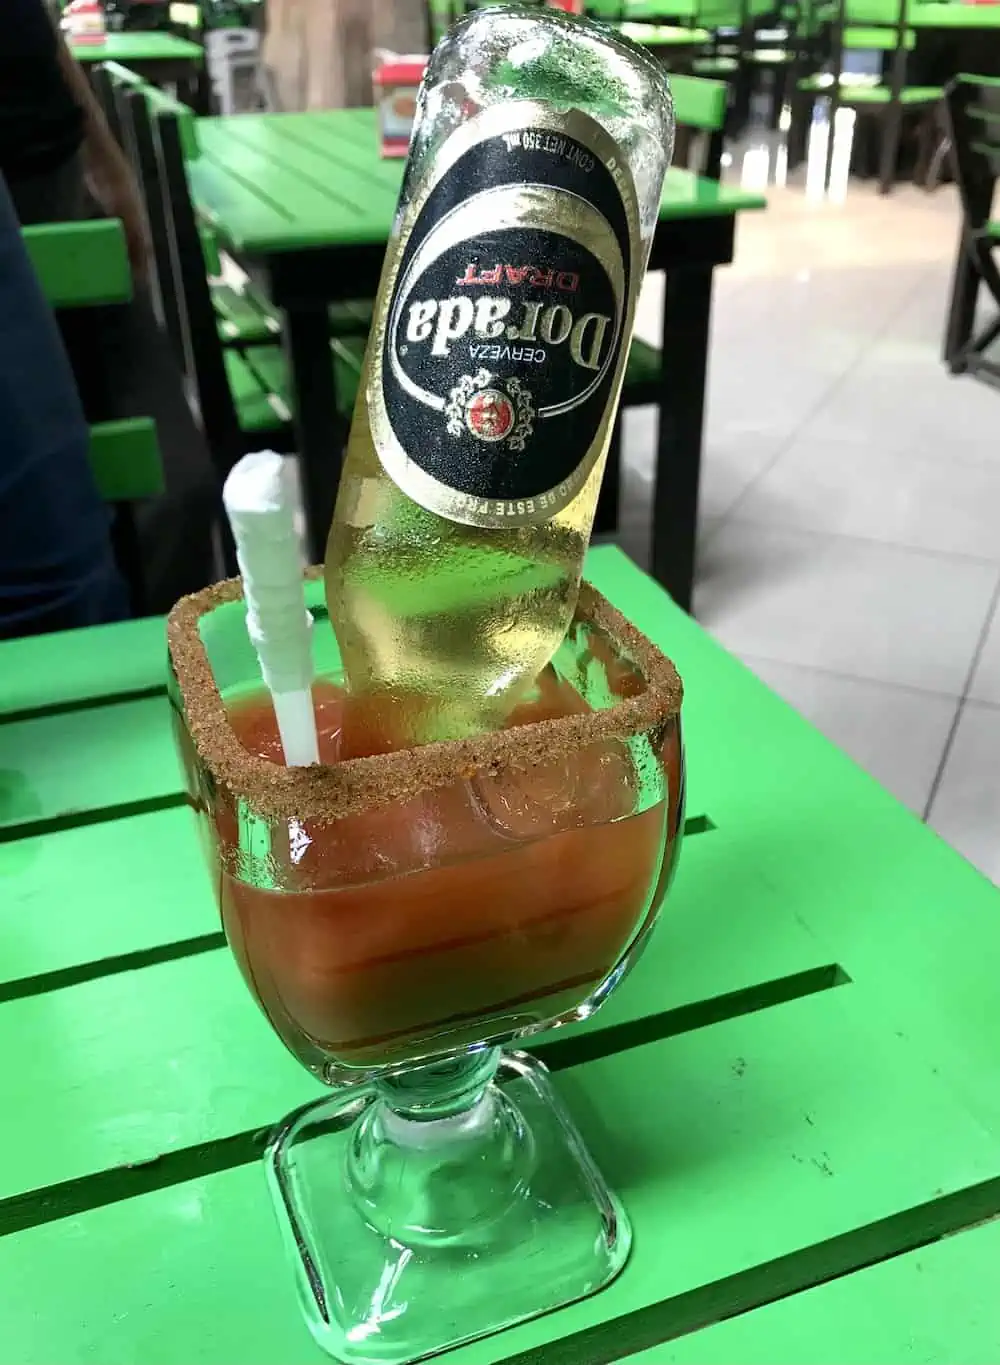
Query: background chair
pixel 865 25
pixel 972 115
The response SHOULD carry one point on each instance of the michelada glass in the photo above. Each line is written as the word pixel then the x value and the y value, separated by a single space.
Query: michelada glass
pixel 402 916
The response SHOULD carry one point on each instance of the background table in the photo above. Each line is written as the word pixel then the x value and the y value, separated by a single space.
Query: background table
pixel 795 1092
pixel 160 58
pixel 307 199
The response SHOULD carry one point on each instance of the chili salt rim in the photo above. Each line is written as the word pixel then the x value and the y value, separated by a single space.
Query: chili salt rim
pixel 326 792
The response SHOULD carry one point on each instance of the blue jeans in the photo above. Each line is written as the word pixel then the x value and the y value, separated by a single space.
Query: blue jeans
pixel 57 569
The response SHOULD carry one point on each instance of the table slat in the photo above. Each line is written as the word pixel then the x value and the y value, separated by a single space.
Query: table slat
pixel 59 767
pixel 935 1306
pixel 742 1142
pixel 67 667
pixel 101 892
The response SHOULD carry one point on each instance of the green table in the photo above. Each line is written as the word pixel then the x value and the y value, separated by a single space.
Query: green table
pixel 161 58
pixel 306 199
pixel 953 15
pixel 794 1092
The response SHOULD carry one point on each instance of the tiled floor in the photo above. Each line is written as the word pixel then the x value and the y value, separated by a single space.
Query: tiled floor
pixel 850 538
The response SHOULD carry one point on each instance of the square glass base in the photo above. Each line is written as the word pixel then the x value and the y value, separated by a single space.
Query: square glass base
pixel 409 1236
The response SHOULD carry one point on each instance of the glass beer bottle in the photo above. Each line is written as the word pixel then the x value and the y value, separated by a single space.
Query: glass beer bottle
pixel 495 363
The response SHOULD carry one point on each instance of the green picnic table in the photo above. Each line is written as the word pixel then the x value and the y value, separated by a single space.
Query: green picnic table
pixel 795 1092
pixel 307 200
pixel 160 58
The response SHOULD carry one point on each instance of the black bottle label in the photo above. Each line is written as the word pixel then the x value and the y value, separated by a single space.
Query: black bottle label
pixel 496 373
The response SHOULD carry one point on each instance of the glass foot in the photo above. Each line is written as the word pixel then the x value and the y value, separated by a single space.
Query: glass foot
pixel 411 1234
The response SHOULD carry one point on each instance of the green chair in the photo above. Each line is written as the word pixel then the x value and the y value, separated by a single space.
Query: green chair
pixel 85 265
pixel 243 395
pixel 972 116
pixel 866 25
pixel 244 317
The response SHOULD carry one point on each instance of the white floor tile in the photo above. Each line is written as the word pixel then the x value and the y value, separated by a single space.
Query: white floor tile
pixel 849 488
pixel 985 685
pixel 892 404
pixel 894 733
pixel 849 606
pixel 966 809
pixel 729 463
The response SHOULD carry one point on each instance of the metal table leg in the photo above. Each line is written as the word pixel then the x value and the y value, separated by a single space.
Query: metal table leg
pixel 686 320
pixel 318 428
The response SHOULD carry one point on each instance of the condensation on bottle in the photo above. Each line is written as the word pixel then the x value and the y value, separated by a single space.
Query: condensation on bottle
pixel 495 362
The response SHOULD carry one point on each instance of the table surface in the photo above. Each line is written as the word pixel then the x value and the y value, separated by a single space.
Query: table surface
pixel 934 14
pixel 283 182
pixel 139 47
pixel 794 1092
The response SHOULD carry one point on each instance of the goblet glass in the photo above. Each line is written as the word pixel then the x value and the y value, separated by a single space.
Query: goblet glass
pixel 401 916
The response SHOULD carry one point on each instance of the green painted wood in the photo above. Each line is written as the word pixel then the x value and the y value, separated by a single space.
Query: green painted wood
pixel 655 11
pixel 85 896
pixel 643 373
pixel 257 408
pixel 270 365
pixel 103 915
pixel 282 182
pixel 80 264
pixel 865 37
pixel 139 47
pixel 125 458
pixel 953 14
pixel 935 1306
pixel 855 93
pixel 655 36
pixel 744 1141
pixel 60 766
pixel 699 103
pixel 873 884
pixel 79 665
pixel 243 315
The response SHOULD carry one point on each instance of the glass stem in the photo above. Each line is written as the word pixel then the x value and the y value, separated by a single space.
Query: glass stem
pixel 446 1089
pixel 439 1148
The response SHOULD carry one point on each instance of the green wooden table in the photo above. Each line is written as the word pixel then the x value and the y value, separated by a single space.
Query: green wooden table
pixel 161 58
pixel 307 199
pixel 795 1092
pixel 953 15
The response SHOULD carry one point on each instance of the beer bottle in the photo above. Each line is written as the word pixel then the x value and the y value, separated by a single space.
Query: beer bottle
pixel 495 362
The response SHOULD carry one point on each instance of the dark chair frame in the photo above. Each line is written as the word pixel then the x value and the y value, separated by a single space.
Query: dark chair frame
pixel 889 113
pixel 972 116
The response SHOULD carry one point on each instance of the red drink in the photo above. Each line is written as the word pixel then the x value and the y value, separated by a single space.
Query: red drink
pixel 473 910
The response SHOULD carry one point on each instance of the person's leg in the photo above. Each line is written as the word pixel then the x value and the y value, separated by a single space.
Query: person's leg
pixel 56 567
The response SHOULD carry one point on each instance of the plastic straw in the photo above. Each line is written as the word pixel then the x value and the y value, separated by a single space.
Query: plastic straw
pixel 260 504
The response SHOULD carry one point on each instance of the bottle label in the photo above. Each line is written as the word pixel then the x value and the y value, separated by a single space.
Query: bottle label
pixel 496 372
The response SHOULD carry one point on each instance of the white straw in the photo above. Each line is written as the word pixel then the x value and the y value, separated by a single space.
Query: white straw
pixel 260 504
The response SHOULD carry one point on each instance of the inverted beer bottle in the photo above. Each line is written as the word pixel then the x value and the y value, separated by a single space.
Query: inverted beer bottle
pixel 495 362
